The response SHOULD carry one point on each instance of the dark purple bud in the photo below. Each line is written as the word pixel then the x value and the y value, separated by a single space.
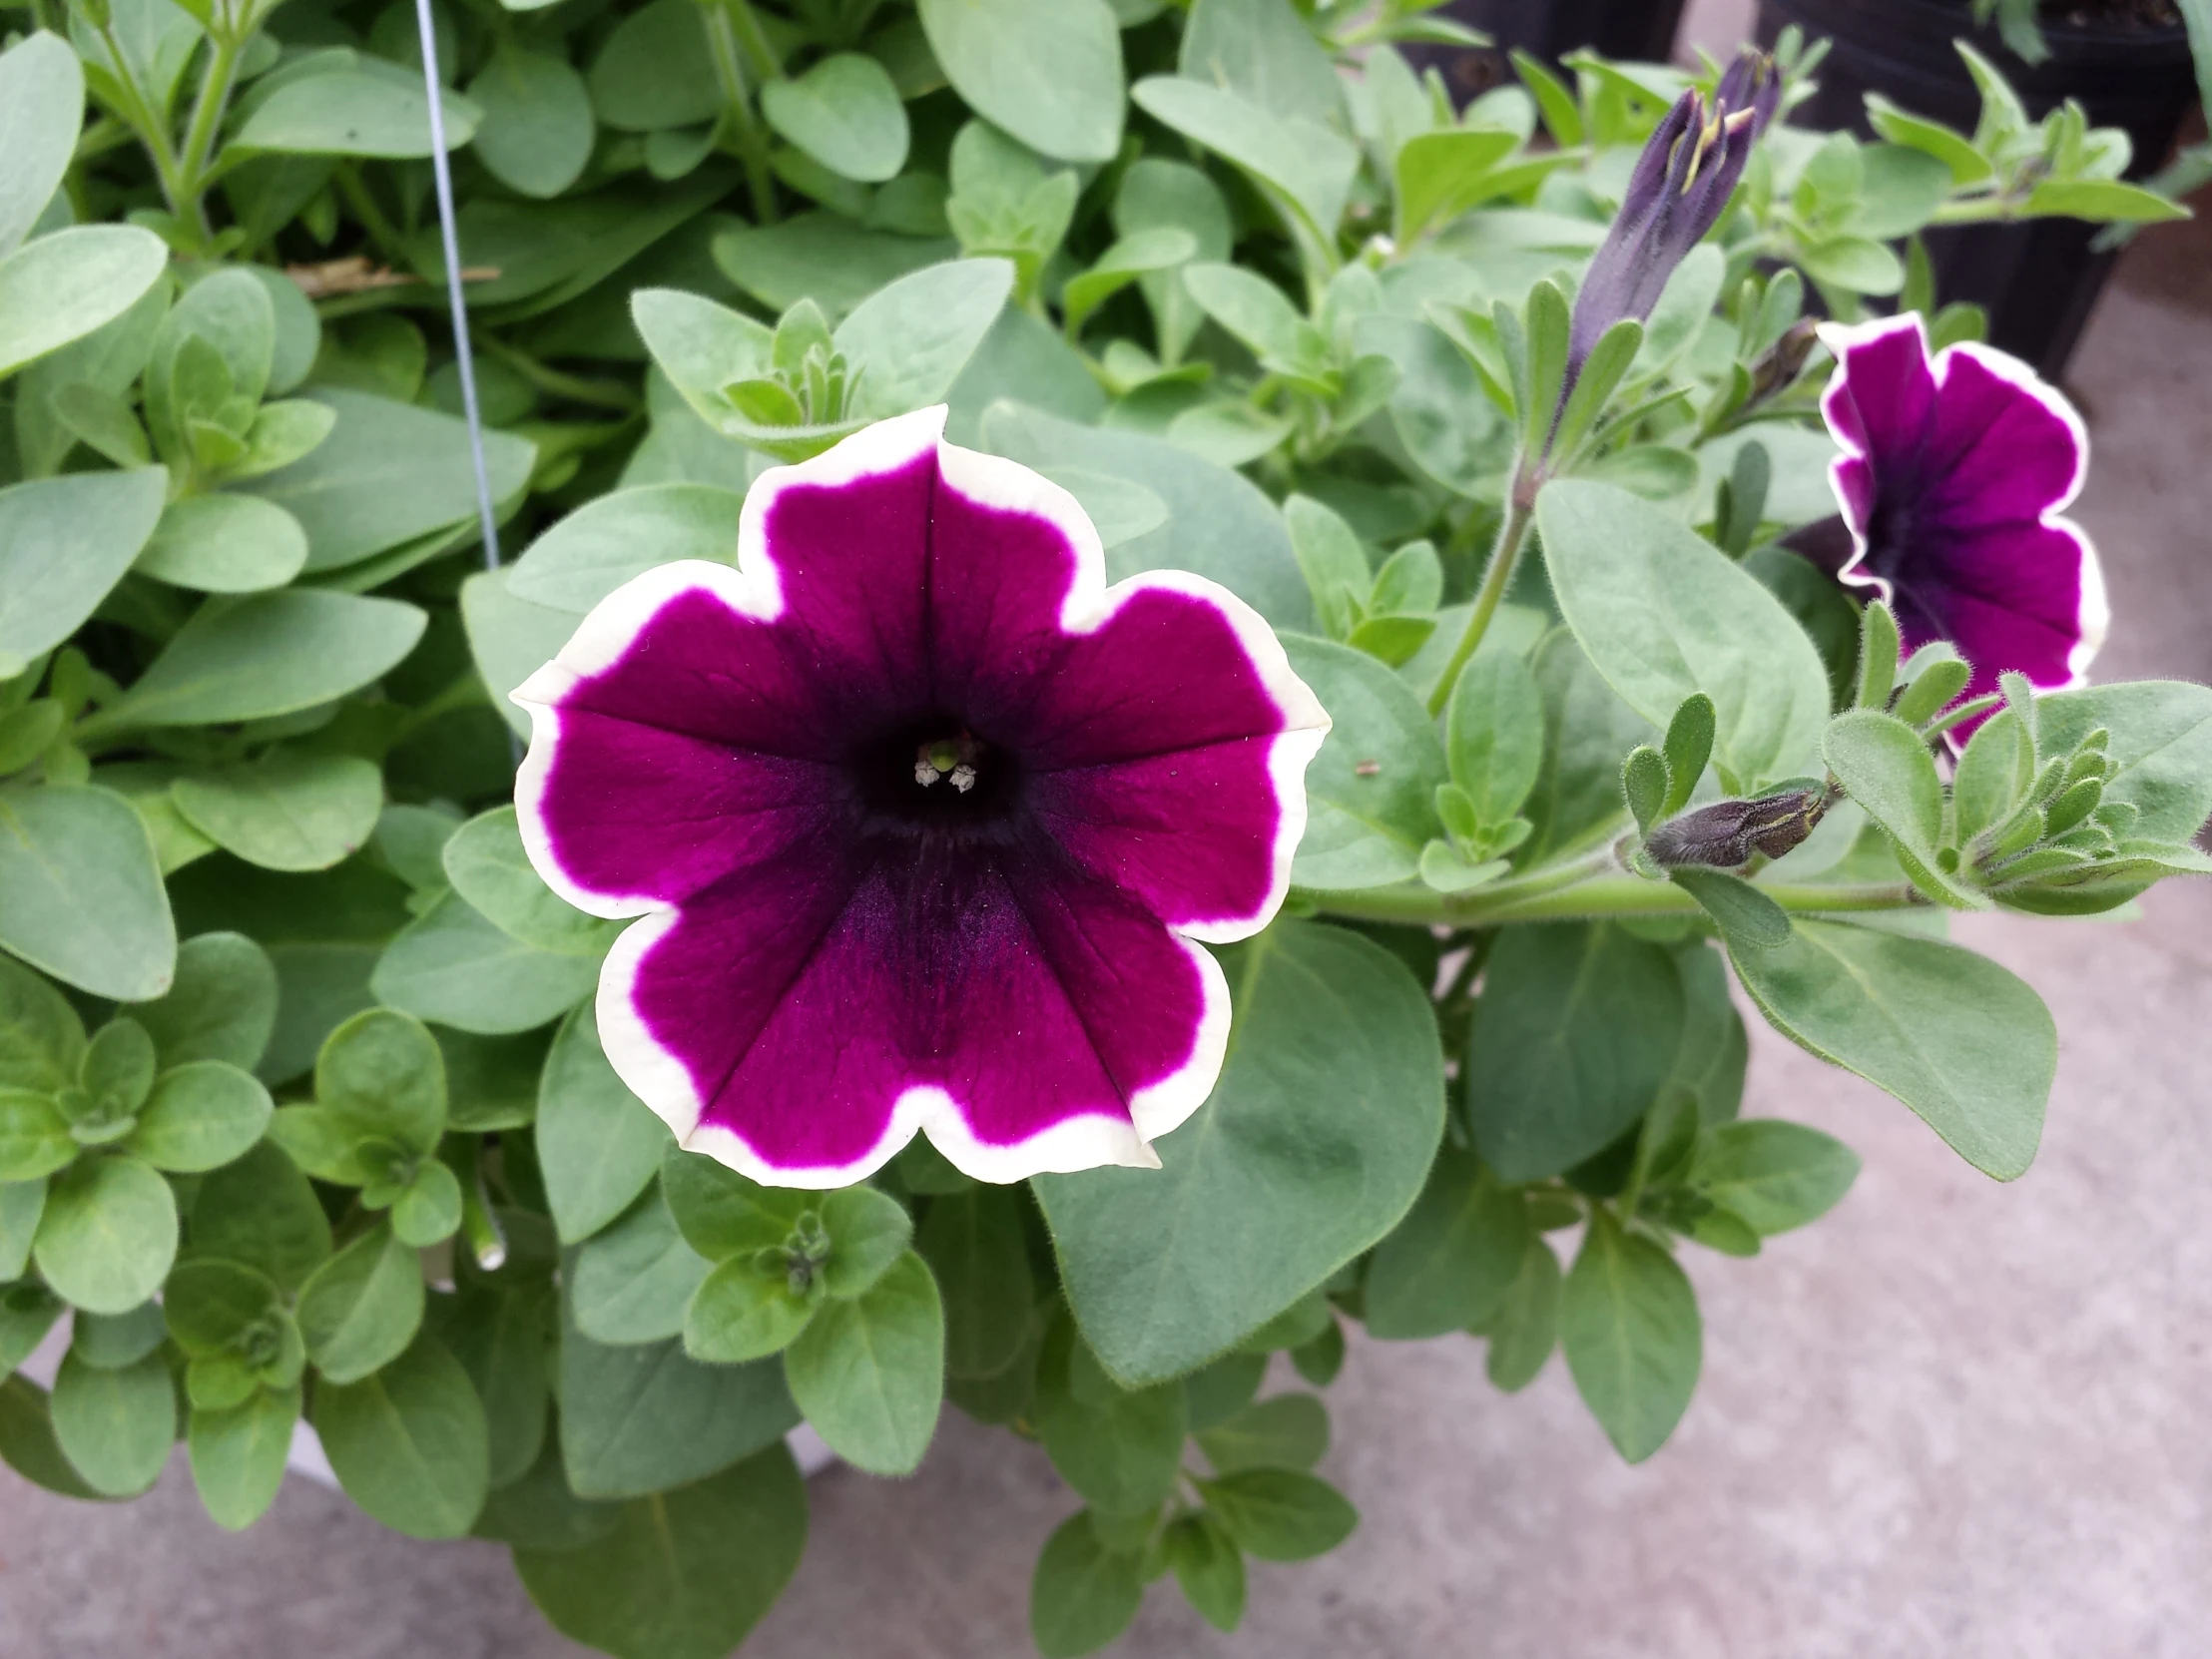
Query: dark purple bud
pixel 1727 834
pixel 1780 363
pixel 1682 183
pixel 1751 83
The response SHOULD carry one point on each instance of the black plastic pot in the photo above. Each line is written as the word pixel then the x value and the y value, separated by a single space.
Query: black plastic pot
pixel 1550 29
pixel 2039 279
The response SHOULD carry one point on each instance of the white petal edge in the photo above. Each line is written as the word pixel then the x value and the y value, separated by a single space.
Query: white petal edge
pixel 2093 611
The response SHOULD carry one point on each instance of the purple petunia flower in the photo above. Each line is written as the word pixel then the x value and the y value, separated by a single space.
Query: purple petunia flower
pixel 922 821
pixel 1951 479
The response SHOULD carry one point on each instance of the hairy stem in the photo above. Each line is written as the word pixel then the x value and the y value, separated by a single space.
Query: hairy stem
pixel 1521 508
pixel 1580 897
pixel 736 99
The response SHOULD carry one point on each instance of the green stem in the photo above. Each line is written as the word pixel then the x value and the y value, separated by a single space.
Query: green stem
pixel 1595 898
pixel 381 230
pixel 1512 532
pixel 207 119
pixel 765 64
pixel 601 394
pixel 751 143
pixel 152 133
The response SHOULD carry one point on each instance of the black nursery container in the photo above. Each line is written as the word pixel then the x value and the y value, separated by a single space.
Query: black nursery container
pixel 1550 29
pixel 2038 279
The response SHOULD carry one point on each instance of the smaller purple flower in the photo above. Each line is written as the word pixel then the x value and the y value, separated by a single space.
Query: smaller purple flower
pixel 1681 184
pixel 1954 473
pixel 922 821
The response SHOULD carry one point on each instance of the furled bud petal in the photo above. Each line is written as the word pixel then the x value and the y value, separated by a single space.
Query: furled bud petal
pixel 1728 833
pixel 1751 83
pixel 1681 184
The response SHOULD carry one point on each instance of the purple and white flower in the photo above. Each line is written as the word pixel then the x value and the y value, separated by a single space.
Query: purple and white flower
pixel 1954 473
pixel 924 822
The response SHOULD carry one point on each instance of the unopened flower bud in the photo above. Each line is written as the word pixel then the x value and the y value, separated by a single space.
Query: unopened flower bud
pixel 1681 184
pixel 1728 834
pixel 1782 363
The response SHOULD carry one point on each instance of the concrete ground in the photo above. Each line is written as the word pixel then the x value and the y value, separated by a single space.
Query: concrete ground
pixel 1954 1419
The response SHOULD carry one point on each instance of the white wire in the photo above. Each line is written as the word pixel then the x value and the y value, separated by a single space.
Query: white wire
pixel 463 358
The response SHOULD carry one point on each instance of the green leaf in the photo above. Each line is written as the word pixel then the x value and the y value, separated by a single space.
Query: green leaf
pixel 219 1007
pixel 209 1304
pixel 27 1312
pixel 109 1233
pixel 383 1074
pixel 1261 315
pixel 238 1457
pixel 388 474
pixel 1954 150
pixel 1961 1040
pixel 485 862
pixel 2101 201
pixel 725 1213
pixel 868 1231
pixel 743 1312
pixel 844 112
pixel 684 1575
pixel 915 334
pixel 109 1342
pixel 34 1137
pixel 410 1444
pixel 1218 524
pixel 1263 50
pixel 1315 1142
pixel 1494 734
pixel 501 1341
pixel 974 1246
pixel 267 654
pixel 1371 792
pixel 68 282
pixel 537 128
pixel 1574 1035
pixel 656 70
pixel 1526 1327
pixel 1119 1448
pixel 1884 765
pixel 365 106
pixel 1209 1568
pixel 1082 1594
pixel 1748 918
pixel 822 256
pixel 637 1421
pixel 454 965
pixel 201 1116
pixel 1047 71
pixel 869 1372
pixel 1588 729
pixel 80 893
pixel 64 543
pixel 1309 167
pixel 1450 1261
pixel 116 1426
pixel 260 1212
pixel 1139 253
pixel 1774 1175
pixel 287 811
pixel 1286 1431
pixel 225 544
pixel 427 1211
pixel 1629 1323
pixel 2160 743
pixel 1664 614
pixel 361 1307
pixel 27 1444
pixel 598 1144
pixel 1281 1515
pixel 601 545
pixel 1442 175
pixel 42 110
pixel 41 1041
pixel 633 1282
